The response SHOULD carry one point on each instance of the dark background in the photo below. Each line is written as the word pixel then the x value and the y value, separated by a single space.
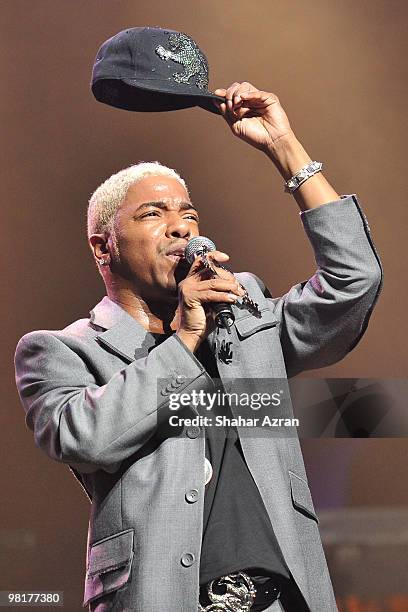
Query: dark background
pixel 338 68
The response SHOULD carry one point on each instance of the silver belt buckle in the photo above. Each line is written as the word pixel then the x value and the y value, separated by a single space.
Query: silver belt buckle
pixel 239 595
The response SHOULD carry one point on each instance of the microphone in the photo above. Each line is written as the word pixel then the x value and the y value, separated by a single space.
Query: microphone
pixel 200 245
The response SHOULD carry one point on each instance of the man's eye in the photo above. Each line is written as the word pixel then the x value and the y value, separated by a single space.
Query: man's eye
pixel 153 212
pixel 194 217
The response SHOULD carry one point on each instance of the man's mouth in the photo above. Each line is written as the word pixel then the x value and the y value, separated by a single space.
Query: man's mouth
pixel 176 253
pixel 175 257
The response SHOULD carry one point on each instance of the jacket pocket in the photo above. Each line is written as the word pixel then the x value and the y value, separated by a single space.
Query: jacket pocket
pixel 248 325
pixel 301 496
pixel 109 565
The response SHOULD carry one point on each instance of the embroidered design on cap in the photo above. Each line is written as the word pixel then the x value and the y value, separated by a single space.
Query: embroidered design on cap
pixel 183 50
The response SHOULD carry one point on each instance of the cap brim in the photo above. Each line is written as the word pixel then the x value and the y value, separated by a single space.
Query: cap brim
pixel 140 96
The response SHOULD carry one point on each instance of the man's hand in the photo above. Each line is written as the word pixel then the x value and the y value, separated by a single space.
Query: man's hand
pixel 196 293
pixel 258 118
pixel 253 115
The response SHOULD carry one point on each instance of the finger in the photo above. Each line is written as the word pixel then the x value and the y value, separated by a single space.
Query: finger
pixel 247 86
pixel 259 97
pixel 221 284
pixel 220 269
pixel 241 111
pixel 218 296
pixel 217 261
pixel 253 102
pixel 195 266
pixel 221 106
pixel 218 255
pixel 244 87
pixel 229 94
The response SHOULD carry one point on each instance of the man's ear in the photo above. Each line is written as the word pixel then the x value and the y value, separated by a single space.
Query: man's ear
pixel 98 244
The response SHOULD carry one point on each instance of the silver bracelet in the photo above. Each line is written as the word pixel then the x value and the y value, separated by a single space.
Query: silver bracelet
pixel 300 177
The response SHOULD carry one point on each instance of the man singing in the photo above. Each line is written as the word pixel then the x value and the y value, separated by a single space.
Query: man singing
pixel 196 521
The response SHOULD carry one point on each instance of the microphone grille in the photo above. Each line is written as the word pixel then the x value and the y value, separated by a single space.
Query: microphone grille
pixel 197 246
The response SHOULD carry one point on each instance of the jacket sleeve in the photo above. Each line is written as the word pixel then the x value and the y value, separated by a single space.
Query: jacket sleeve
pixel 322 319
pixel 90 426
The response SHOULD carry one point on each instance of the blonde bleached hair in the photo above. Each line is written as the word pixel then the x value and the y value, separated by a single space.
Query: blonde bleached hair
pixel 107 198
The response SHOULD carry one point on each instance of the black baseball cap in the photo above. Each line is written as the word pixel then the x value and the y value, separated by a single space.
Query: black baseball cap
pixel 152 69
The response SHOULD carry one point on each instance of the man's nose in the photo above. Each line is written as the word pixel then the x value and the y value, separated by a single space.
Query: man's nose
pixel 179 228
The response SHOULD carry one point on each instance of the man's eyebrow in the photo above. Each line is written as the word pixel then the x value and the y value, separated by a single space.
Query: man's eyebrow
pixel 163 205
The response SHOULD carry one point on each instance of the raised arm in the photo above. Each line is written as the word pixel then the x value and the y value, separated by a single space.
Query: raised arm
pixel 323 318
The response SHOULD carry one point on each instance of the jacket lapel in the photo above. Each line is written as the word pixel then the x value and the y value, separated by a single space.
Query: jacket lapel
pixel 121 334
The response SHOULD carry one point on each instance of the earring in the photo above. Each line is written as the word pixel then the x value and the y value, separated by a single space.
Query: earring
pixel 104 261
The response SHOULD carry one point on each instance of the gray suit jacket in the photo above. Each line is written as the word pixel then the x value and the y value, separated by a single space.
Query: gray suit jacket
pixel 96 400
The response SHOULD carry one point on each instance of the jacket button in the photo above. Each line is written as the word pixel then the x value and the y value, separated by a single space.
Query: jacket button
pixel 187 559
pixel 192 495
pixel 193 432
